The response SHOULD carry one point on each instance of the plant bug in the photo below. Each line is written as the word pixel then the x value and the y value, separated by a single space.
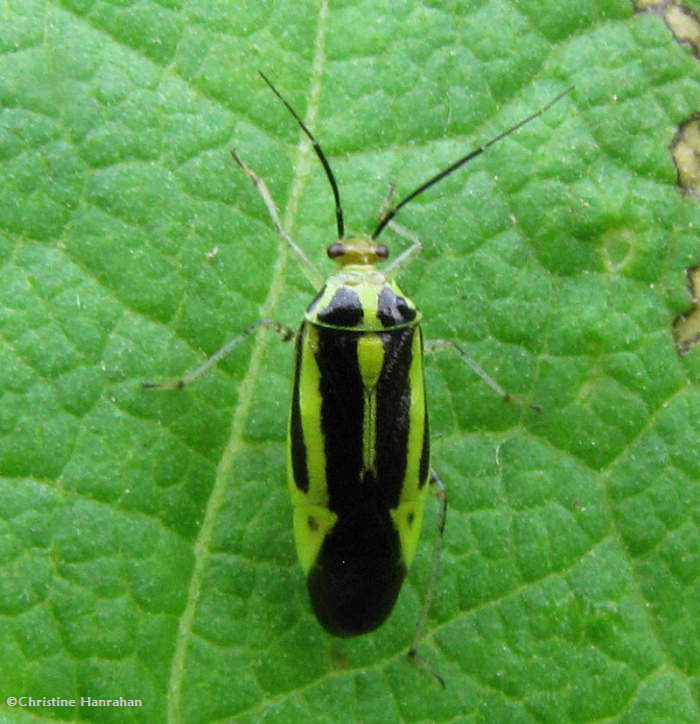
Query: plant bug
pixel 358 451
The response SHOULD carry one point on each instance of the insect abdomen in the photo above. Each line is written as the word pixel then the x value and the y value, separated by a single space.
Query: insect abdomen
pixel 356 578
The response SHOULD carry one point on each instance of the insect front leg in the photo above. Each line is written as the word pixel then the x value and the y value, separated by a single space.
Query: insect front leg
pixel 307 266
pixel 285 333
pixel 395 267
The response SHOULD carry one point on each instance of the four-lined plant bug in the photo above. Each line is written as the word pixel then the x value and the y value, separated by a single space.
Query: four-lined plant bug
pixel 358 437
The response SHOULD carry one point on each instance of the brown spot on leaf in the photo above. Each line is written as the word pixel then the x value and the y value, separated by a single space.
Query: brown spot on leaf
pixel 685 149
pixel 686 327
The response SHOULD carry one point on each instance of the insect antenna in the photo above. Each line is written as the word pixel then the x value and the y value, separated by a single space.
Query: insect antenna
pixel 319 153
pixel 390 213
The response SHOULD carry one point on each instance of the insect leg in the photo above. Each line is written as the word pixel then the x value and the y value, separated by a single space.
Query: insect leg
pixel 392 269
pixel 307 266
pixel 476 367
pixel 440 493
pixel 286 335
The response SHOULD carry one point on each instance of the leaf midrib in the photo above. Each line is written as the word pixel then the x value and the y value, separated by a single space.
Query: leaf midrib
pixel 235 443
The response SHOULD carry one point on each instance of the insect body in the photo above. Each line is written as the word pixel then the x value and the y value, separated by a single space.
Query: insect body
pixel 358 441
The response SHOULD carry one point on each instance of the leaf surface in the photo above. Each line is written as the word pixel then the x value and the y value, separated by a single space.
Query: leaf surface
pixel 145 537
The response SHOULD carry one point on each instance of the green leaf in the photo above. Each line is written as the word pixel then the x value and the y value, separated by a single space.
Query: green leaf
pixel 145 537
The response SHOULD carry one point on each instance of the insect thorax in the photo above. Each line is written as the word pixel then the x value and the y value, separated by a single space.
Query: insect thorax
pixel 361 298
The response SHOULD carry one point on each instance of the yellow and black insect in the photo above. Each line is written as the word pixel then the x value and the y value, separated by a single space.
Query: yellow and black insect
pixel 358 439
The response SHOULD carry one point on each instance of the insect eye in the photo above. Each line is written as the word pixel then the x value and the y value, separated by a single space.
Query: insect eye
pixel 382 251
pixel 336 250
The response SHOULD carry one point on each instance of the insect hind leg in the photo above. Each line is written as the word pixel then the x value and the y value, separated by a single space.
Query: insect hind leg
pixel 432 344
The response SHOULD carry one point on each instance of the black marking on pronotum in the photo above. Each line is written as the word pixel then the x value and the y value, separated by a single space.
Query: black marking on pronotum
pixel 393 310
pixel 344 309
